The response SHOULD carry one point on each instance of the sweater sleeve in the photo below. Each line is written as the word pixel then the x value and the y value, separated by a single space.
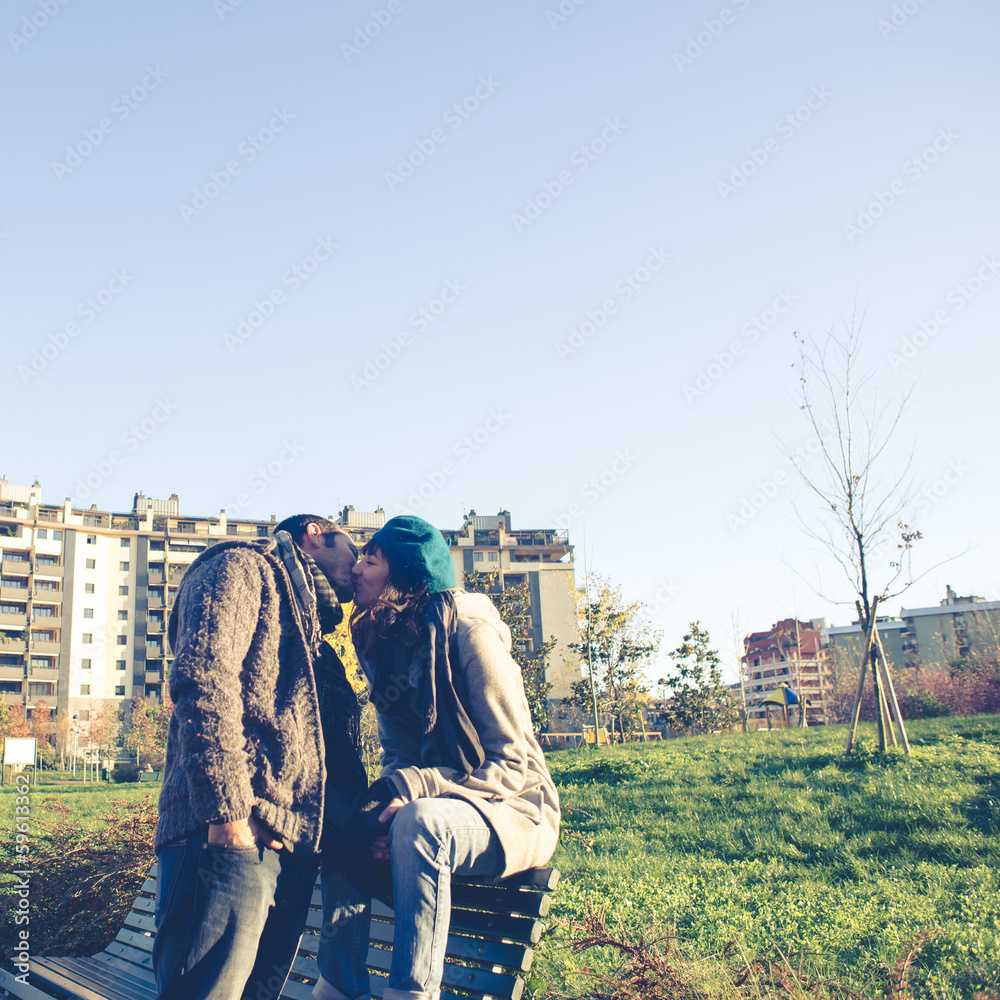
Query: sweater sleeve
pixel 499 711
pixel 216 619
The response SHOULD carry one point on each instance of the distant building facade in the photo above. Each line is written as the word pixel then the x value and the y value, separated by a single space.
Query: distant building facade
pixel 790 652
pixel 956 629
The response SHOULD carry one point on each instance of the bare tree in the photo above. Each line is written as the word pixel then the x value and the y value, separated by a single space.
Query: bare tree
pixel 862 488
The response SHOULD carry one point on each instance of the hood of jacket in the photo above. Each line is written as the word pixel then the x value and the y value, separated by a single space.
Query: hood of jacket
pixel 473 608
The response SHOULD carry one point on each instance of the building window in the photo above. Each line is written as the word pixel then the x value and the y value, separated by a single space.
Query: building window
pixel 119 664
pixel 123 566
pixel 123 591
pixel 85 664
pixel 57 536
pixel 88 638
pixel 91 539
pixel 85 689
pixel 120 689
pixel 13 609
pixel 91 564
pixel 42 534
pixel 123 616
pixel 123 640
pixel 125 543
pixel 493 557
pixel 477 557
pixel 88 612
pixel 88 588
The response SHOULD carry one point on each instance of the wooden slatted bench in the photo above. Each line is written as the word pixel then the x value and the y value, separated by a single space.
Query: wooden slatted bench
pixel 491 940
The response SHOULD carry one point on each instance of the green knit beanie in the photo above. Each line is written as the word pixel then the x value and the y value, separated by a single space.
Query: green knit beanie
pixel 419 552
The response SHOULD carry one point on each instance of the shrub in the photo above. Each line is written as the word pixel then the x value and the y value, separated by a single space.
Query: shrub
pixel 125 772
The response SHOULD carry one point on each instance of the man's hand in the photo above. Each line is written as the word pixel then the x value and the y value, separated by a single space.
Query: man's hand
pixel 243 833
pixel 380 845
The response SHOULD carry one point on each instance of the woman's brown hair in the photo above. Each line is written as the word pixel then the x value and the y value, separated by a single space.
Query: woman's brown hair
pixel 396 612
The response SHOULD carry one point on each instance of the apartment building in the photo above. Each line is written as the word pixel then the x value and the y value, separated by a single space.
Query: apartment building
pixel 790 652
pixel 540 557
pixel 955 629
pixel 85 595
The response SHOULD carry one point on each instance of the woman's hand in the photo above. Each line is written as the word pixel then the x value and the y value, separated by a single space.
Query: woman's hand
pixel 380 845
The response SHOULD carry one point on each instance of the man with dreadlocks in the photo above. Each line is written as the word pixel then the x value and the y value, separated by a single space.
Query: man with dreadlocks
pixel 262 758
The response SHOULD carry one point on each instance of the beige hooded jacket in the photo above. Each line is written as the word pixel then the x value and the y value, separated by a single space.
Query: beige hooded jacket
pixel 513 789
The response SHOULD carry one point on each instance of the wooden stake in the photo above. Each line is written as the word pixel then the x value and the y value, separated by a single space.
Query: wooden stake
pixel 893 703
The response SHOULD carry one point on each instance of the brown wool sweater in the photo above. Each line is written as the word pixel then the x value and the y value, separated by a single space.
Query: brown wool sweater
pixel 245 732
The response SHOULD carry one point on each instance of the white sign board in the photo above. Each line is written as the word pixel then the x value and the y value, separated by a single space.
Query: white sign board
pixel 18 750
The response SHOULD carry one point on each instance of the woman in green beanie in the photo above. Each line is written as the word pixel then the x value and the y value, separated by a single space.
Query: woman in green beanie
pixel 466 788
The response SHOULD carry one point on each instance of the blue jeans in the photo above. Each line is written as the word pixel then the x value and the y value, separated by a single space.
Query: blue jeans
pixel 343 939
pixel 432 839
pixel 228 919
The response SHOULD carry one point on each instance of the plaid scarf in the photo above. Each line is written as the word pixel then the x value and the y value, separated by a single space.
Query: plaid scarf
pixel 311 585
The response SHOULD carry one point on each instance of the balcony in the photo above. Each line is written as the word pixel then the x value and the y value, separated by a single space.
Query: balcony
pixel 153 677
pixel 46 621
pixel 12 643
pixel 43 674
pixel 153 628
pixel 16 619
pixel 11 673
pixel 40 646
pixel 13 698
pixel 15 567
pixel 42 569
pixel 155 603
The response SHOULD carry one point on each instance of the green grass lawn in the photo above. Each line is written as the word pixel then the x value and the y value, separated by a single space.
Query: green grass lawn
pixel 765 845
pixel 87 802
pixel 773 840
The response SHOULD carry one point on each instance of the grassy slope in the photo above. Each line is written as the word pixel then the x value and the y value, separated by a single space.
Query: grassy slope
pixel 768 839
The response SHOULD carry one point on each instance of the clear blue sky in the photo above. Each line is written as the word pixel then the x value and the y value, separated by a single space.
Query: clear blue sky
pixel 725 147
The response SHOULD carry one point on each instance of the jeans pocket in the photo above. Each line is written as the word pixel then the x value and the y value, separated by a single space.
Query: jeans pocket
pixel 169 865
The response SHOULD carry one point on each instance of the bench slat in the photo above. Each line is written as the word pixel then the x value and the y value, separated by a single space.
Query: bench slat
pixel 104 978
pixel 510 956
